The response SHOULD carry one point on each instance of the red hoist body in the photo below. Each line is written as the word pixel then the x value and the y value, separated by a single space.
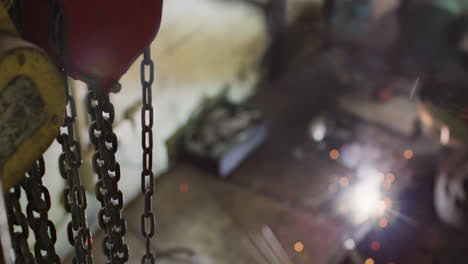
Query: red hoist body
pixel 103 37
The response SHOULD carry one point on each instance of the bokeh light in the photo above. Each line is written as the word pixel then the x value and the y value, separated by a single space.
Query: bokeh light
pixel 299 247
pixel 349 244
pixel 334 154
pixel 375 246
pixel 408 154
pixel 344 181
pixel 369 261
pixel 184 188
pixel 383 223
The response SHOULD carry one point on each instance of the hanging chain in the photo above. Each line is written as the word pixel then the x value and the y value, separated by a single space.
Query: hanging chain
pixel 19 235
pixel 70 160
pixel 75 194
pixel 37 213
pixel 147 176
pixel 108 171
pixel 37 217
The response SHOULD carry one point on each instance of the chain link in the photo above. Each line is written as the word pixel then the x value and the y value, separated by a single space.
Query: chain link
pixel 147 175
pixel 37 214
pixel 108 171
pixel 19 229
pixel 70 161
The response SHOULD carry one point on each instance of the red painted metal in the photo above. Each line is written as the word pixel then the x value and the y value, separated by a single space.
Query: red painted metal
pixel 104 37
pixel 36 19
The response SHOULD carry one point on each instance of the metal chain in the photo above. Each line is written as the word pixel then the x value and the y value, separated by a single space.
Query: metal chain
pixel 108 171
pixel 70 161
pixel 147 176
pixel 19 229
pixel 37 213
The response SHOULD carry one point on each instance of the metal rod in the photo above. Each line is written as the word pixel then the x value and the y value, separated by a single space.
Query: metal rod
pixel 254 251
pixel 264 248
pixel 276 244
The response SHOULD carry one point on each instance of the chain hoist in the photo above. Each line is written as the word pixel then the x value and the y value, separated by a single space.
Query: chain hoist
pixel 147 175
pixel 83 49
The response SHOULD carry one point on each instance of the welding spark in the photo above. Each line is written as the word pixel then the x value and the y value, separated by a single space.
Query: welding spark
pixel 366 200
pixel 414 88
pixel 444 135
pixel 403 217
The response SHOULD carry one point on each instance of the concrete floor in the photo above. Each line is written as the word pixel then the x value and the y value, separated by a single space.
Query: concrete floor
pixel 214 219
